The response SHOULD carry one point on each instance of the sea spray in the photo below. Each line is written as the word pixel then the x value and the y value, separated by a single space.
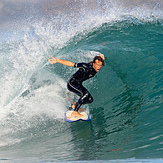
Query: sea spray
pixel 126 112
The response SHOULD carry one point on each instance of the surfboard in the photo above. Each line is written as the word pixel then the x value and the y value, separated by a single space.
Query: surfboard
pixel 69 118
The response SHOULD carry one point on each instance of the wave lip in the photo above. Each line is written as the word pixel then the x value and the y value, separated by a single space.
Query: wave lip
pixel 76 11
pixel 125 115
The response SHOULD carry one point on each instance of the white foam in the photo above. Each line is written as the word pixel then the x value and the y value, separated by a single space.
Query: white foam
pixel 48 100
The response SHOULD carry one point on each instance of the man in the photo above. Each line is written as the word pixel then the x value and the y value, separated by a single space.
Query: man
pixel 86 71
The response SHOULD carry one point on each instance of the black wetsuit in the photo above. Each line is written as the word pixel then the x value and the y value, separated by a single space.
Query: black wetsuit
pixel 85 72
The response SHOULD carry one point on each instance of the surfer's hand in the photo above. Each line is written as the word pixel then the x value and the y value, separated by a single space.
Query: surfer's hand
pixel 53 60
pixel 102 56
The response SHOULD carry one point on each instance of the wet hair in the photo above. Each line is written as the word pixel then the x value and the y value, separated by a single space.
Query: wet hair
pixel 99 59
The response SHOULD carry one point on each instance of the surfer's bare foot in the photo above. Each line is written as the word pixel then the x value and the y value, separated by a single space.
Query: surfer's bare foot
pixel 73 105
pixel 76 114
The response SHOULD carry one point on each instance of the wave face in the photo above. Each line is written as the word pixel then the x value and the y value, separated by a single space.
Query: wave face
pixel 126 115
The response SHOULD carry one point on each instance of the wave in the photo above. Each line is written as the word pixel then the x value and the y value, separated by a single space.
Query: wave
pixel 127 91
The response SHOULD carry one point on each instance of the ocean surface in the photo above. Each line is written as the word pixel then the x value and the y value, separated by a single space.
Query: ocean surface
pixel 127 113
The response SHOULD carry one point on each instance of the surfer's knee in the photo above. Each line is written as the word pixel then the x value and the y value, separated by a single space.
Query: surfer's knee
pixel 88 98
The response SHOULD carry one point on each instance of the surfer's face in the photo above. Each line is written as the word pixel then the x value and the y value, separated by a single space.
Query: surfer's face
pixel 97 65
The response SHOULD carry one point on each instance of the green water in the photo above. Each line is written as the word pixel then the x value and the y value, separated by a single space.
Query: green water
pixel 126 115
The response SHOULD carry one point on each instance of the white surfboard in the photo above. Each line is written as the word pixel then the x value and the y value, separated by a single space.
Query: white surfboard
pixel 70 118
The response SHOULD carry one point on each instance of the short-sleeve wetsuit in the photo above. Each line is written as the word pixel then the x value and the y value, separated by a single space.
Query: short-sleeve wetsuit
pixel 85 72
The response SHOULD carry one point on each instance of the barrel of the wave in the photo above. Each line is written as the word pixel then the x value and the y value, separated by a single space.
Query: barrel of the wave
pixel 75 84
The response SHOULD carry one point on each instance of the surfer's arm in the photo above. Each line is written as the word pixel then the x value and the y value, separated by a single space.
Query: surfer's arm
pixel 64 62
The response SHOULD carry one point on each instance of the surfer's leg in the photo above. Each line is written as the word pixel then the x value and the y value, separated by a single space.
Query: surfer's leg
pixel 84 99
pixel 85 96
pixel 74 87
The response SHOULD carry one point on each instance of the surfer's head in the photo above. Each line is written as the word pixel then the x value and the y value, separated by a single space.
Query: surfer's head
pixel 98 62
pixel 99 58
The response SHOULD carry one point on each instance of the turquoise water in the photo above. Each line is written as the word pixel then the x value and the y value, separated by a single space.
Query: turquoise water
pixel 126 115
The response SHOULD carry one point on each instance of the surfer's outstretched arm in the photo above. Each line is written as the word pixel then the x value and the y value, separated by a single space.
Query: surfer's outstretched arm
pixel 64 62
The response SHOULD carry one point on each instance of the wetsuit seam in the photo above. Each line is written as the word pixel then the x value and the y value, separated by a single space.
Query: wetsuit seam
pixel 75 88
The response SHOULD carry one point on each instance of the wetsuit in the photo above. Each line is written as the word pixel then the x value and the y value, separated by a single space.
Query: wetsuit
pixel 85 72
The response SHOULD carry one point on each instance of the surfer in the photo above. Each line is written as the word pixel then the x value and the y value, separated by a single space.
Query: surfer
pixel 86 71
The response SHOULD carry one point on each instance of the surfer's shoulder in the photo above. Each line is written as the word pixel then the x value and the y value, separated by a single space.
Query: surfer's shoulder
pixel 82 64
